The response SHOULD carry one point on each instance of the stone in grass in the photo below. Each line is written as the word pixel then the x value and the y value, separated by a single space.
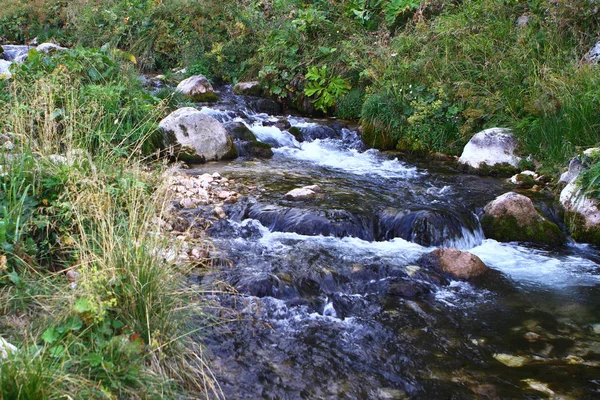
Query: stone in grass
pixel 6 349
pixel 582 214
pixel 194 137
pixel 198 88
pixel 460 264
pixel 512 217
pixel 491 151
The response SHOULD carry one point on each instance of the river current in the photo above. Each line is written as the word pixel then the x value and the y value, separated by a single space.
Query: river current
pixel 325 298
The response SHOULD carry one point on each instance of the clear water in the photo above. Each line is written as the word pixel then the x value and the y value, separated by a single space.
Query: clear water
pixel 330 301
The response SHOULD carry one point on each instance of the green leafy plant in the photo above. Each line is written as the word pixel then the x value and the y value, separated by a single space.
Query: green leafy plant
pixel 324 88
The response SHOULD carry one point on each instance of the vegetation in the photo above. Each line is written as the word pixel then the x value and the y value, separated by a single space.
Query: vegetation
pixel 88 295
pixel 80 173
pixel 427 74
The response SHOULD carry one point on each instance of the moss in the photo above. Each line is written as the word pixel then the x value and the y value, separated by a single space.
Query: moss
pixel 377 138
pixel 297 133
pixel 261 150
pixel 500 170
pixel 508 229
pixel 579 231
pixel 525 181
pixel 232 153
pixel 208 97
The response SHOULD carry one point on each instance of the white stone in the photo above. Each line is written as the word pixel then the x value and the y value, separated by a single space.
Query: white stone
pixel 220 213
pixel 48 47
pixel 510 360
pixel 5 69
pixel 195 137
pixel 300 194
pixel 6 348
pixel 572 200
pixel 492 146
pixel 514 179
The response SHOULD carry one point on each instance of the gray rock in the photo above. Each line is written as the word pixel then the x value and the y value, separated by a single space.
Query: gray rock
pixel 50 47
pixel 198 88
pixel 194 137
pixel 492 147
pixel 248 88
pixel 523 21
pixel 593 55
pixel 586 215
pixel 15 53
pixel 5 69
pixel 575 168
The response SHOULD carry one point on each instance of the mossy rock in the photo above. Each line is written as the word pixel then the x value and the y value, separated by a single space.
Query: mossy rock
pixel 579 231
pixel 525 181
pixel 499 170
pixel 508 229
pixel 377 138
pixel 297 133
pixel 261 150
pixel 208 97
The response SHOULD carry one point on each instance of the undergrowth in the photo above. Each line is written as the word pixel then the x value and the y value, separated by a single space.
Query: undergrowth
pixel 89 294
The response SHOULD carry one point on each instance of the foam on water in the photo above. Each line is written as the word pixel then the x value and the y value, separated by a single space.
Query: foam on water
pixel 331 153
pixel 274 136
pixel 538 267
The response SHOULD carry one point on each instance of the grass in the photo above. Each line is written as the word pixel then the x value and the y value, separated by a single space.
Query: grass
pixel 82 193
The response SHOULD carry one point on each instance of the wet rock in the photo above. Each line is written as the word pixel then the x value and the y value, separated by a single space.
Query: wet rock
pixel 430 227
pixel 300 194
pixel 5 69
pixel 194 137
pixel 540 387
pixel 532 337
pixel 283 124
pixel 6 348
pixel 198 88
pixel 512 217
pixel 248 88
pixel 459 264
pixel 17 53
pixel 312 132
pixel 268 106
pixel 510 360
pixel 492 147
pixel 391 394
pixel 245 141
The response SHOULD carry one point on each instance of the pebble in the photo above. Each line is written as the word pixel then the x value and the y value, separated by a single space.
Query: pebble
pixel 220 213
pixel 72 275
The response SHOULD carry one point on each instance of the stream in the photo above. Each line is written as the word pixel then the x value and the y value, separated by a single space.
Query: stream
pixel 325 298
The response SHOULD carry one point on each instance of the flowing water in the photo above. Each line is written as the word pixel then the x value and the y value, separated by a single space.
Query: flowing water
pixel 329 300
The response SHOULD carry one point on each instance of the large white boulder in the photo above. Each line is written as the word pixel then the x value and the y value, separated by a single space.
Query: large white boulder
pixel 492 147
pixel 194 137
pixel 198 88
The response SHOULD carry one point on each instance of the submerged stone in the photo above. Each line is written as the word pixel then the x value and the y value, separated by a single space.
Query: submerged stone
pixel 512 217
pixel 510 360
pixel 460 264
